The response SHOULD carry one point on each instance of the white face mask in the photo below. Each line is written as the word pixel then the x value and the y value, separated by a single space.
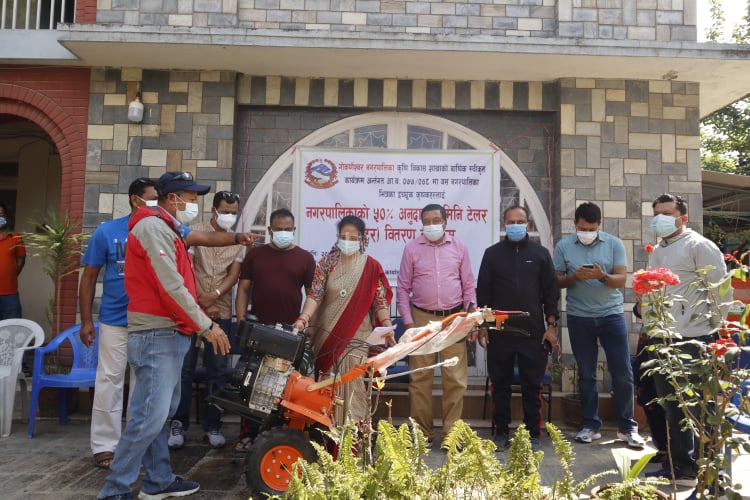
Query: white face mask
pixel 348 247
pixel 587 237
pixel 226 221
pixel 151 203
pixel 190 212
pixel 282 239
pixel 433 232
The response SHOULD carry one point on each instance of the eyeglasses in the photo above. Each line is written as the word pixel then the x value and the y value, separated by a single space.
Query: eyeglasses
pixel 229 196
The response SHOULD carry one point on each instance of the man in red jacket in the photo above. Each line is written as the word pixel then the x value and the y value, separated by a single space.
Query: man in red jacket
pixel 162 315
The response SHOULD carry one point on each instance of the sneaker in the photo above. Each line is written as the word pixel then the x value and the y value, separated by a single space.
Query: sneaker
pixel 633 439
pixel 536 444
pixel 121 496
pixel 176 438
pixel 665 473
pixel 216 439
pixel 501 441
pixel 587 435
pixel 179 488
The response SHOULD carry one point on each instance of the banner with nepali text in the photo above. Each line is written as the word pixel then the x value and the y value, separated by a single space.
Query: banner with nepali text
pixel 388 189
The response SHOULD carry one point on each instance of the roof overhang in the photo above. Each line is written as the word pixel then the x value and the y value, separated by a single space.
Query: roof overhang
pixel 726 199
pixel 722 70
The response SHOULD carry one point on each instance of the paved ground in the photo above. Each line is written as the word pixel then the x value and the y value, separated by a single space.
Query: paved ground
pixel 57 462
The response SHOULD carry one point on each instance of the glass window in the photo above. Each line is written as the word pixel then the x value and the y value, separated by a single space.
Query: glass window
pixel 423 138
pixel 371 136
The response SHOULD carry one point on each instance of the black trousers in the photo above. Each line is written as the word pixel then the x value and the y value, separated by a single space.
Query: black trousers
pixel 503 352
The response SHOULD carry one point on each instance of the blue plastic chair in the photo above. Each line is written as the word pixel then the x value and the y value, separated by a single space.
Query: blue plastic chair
pixel 82 373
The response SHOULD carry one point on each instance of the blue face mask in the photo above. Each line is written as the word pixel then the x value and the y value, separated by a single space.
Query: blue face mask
pixel 515 232
pixel 3 221
pixel 664 225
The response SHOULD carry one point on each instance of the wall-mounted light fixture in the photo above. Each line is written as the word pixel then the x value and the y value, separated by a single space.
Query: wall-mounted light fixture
pixel 135 109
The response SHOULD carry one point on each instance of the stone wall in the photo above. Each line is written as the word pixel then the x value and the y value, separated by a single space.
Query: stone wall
pixel 622 143
pixel 662 20
pixel 188 125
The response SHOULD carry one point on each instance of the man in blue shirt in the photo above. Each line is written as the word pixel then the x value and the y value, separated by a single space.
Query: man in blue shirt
pixel 107 248
pixel 592 265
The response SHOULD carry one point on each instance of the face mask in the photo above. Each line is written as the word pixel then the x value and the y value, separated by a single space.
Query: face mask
pixel 226 221
pixel 587 237
pixel 3 221
pixel 664 225
pixel 148 203
pixel 515 232
pixel 348 247
pixel 282 239
pixel 190 212
pixel 433 232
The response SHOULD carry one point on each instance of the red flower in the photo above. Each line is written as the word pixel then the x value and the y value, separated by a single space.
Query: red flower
pixel 649 248
pixel 652 280
pixel 721 346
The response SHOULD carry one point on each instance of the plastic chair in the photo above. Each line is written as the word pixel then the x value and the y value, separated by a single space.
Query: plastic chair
pixel 82 373
pixel 16 336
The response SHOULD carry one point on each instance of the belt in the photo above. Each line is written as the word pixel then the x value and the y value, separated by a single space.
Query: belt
pixel 443 313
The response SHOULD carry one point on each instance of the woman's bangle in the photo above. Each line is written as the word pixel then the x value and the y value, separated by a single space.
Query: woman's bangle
pixel 303 320
pixel 218 293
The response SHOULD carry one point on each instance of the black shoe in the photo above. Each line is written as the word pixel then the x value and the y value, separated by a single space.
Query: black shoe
pixel 660 457
pixel 666 473
pixel 501 441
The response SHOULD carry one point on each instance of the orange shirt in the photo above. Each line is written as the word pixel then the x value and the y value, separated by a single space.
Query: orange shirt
pixel 11 247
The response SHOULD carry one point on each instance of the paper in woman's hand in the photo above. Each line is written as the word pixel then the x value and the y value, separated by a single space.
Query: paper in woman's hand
pixel 378 335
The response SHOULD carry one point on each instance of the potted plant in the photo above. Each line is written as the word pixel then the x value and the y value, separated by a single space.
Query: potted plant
pixel 705 383
pixel 57 241
pixel 571 403
pixel 631 486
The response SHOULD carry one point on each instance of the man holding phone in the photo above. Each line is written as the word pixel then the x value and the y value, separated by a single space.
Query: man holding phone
pixel 592 265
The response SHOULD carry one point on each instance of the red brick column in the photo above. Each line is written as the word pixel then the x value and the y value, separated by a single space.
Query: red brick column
pixel 56 99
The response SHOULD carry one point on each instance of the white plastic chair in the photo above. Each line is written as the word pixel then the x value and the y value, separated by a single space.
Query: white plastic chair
pixel 16 336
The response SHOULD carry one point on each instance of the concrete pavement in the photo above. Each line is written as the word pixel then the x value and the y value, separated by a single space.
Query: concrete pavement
pixel 57 462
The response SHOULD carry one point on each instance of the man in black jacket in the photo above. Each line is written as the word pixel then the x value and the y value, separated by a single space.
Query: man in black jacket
pixel 518 274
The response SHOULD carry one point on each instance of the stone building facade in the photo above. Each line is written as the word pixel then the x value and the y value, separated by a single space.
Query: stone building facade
pixel 591 100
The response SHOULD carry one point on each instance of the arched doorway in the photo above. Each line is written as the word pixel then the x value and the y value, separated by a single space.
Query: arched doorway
pixel 30 178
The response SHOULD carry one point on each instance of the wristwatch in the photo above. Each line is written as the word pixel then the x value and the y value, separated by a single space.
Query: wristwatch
pixel 554 323
pixel 604 279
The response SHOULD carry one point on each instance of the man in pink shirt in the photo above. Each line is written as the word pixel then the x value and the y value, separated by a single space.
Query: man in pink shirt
pixel 435 281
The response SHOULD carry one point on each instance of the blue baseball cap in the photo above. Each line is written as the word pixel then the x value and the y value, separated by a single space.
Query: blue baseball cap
pixel 172 182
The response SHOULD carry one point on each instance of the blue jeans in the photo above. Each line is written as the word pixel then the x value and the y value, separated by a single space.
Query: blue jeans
pixel 611 332
pixel 156 356
pixel 215 365
pixel 10 306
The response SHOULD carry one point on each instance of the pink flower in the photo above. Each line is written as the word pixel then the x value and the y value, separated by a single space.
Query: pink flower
pixel 649 248
pixel 652 280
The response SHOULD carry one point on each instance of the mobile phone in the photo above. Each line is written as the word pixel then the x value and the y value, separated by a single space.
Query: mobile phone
pixel 589 266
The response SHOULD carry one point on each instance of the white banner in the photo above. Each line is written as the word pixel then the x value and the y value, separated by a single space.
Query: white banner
pixel 387 189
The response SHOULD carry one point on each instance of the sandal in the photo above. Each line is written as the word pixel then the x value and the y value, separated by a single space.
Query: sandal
pixel 104 459
pixel 243 445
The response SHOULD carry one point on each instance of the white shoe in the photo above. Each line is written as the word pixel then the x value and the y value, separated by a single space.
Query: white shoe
pixel 633 439
pixel 587 435
pixel 216 439
pixel 176 438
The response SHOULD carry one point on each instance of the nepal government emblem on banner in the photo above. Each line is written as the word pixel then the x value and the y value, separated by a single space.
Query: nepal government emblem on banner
pixel 321 174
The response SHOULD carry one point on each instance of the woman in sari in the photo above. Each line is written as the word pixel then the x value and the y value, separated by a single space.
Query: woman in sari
pixel 350 296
